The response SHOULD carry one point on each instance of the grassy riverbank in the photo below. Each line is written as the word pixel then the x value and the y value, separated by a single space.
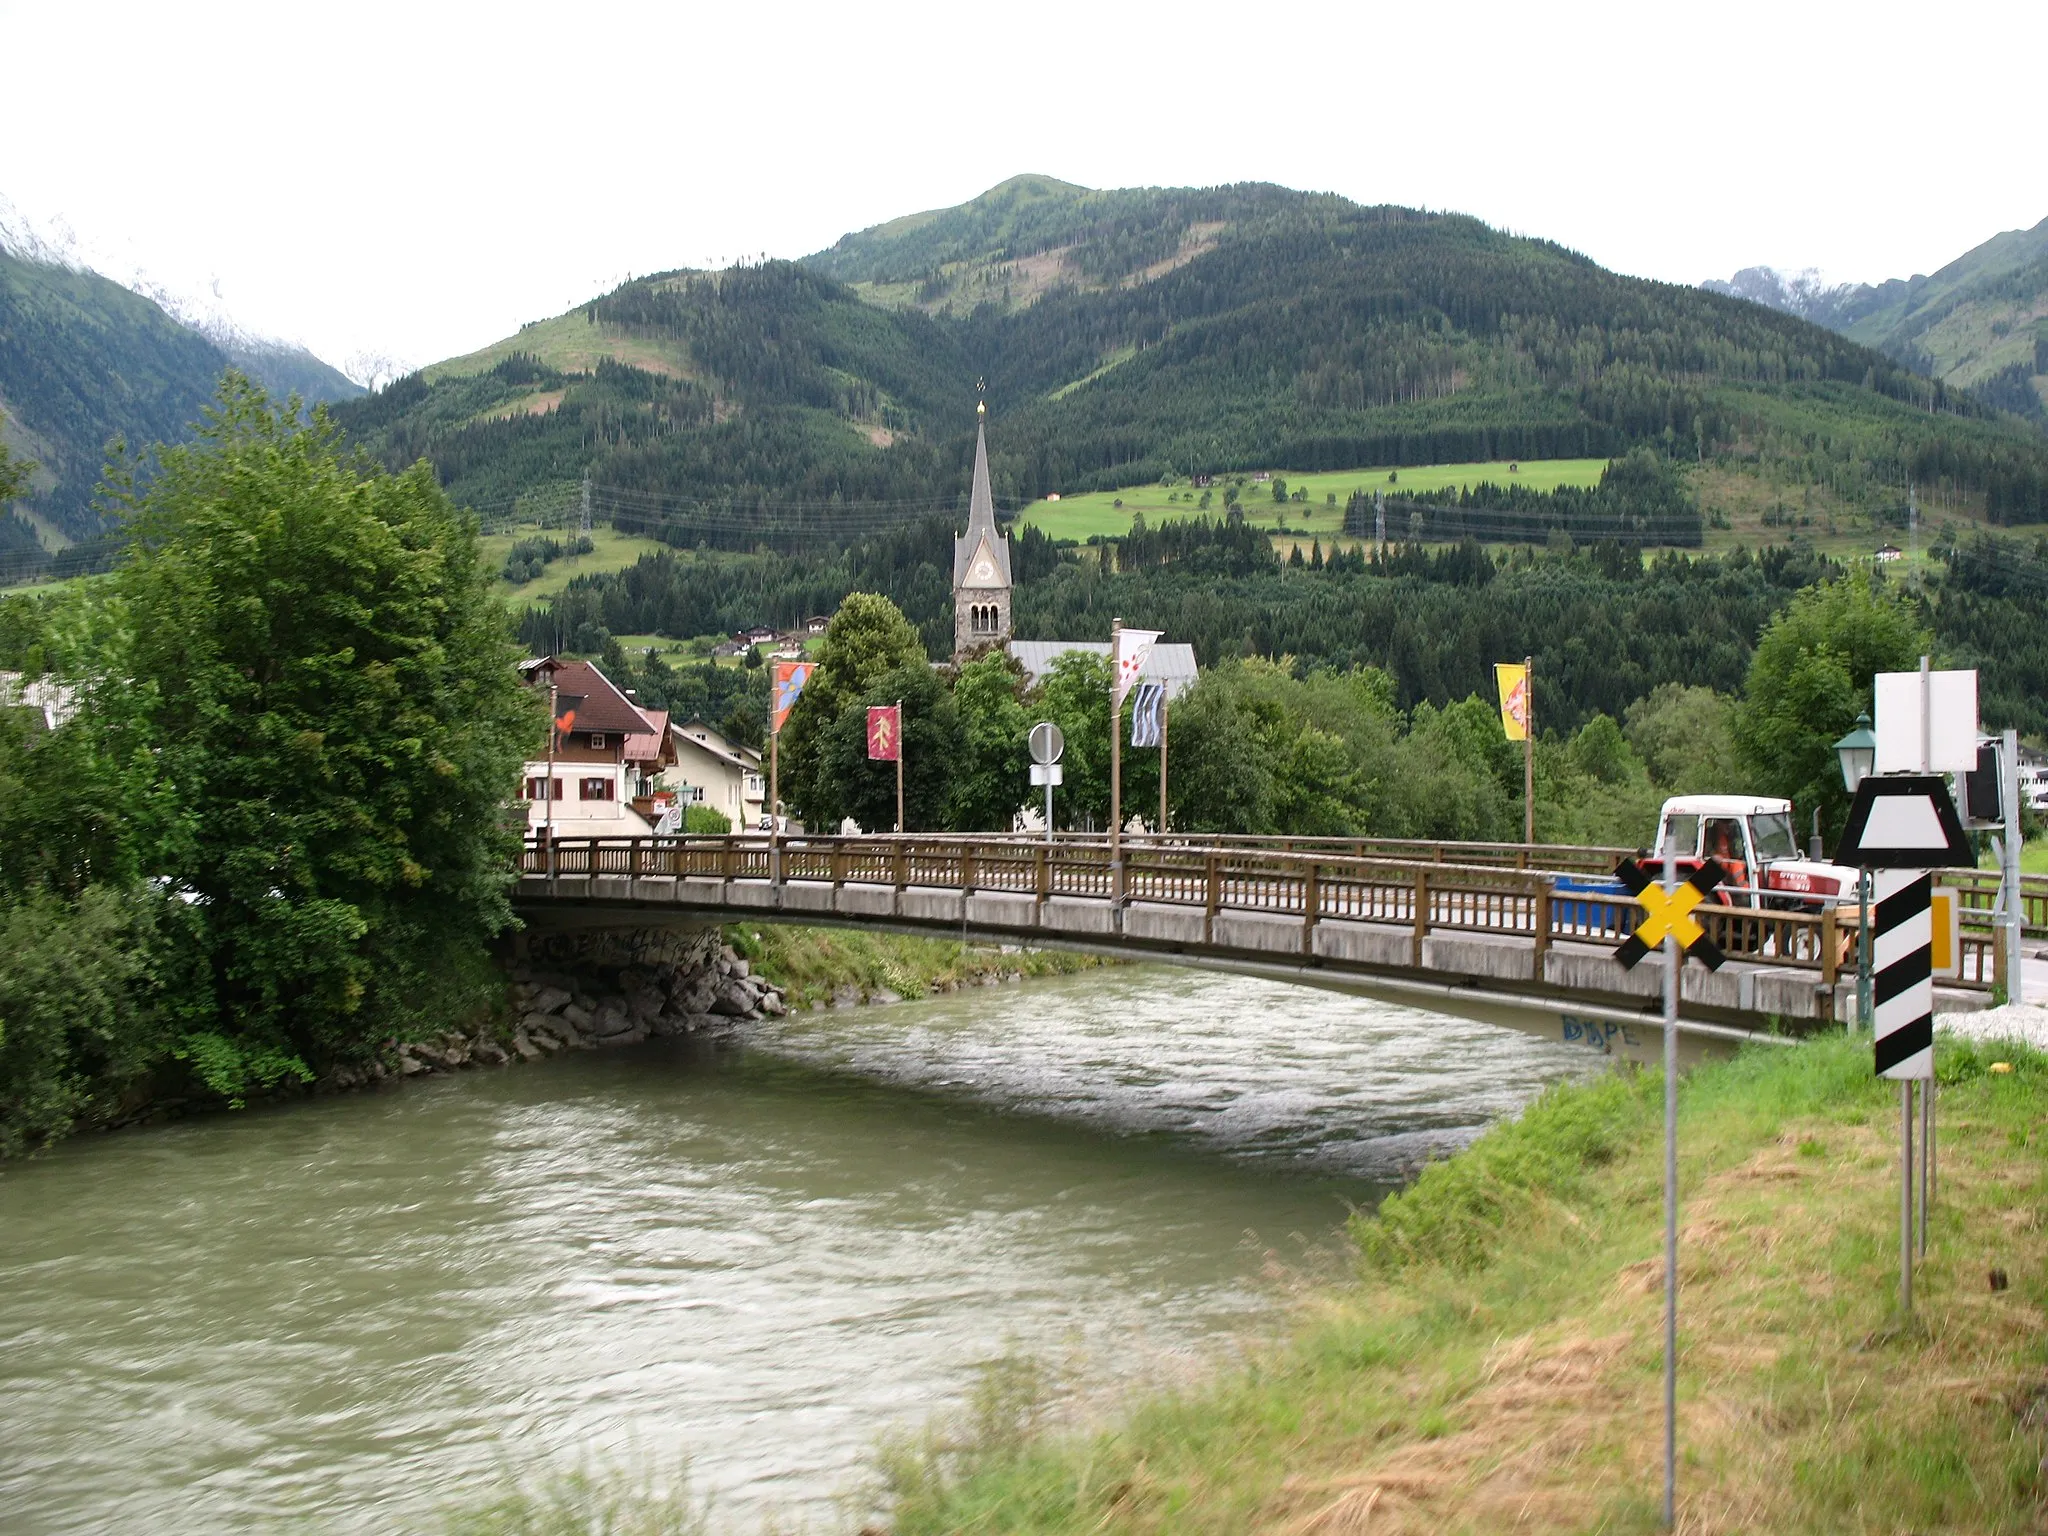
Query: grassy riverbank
pixel 1496 1366
pixel 815 963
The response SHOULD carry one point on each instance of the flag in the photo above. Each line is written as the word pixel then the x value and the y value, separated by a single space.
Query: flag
pixel 885 732
pixel 790 677
pixel 1148 714
pixel 1132 647
pixel 1513 678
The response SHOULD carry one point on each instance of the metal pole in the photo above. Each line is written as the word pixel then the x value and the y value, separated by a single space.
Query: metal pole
pixel 1926 1158
pixel 1048 802
pixel 1529 751
pixel 2009 875
pixel 1116 772
pixel 1163 712
pixel 1674 957
pixel 1906 1195
pixel 1863 1000
pixel 549 787
pixel 774 794
pixel 899 767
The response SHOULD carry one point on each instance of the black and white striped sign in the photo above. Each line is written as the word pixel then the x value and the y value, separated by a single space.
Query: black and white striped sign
pixel 1902 973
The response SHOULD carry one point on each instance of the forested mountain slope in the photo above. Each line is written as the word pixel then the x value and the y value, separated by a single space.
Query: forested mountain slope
pixel 1980 323
pixel 1125 334
pixel 84 360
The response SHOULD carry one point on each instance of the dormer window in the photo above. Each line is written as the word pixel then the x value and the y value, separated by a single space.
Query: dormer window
pixel 597 740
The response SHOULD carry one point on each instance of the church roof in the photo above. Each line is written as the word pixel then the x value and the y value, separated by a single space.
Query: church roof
pixel 981 521
pixel 1169 662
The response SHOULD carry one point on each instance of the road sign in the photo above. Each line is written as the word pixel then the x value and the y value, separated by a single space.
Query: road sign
pixel 1902 973
pixel 1046 773
pixel 1047 743
pixel 1905 821
pixel 1669 913
pixel 1947 913
pixel 1926 722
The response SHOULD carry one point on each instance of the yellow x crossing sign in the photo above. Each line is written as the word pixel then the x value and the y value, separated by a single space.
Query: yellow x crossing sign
pixel 1668 914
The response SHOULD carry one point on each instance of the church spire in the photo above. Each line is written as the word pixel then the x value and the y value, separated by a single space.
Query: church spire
pixel 981 560
pixel 981 503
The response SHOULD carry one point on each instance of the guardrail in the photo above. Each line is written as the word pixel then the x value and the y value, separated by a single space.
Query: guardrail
pixel 1422 896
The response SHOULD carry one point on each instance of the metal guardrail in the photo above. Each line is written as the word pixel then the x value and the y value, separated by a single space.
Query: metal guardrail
pixel 1424 896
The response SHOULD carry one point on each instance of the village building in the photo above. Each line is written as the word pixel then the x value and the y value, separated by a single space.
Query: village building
pixel 981 565
pixel 586 787
pixel 982 591
pixel 712 770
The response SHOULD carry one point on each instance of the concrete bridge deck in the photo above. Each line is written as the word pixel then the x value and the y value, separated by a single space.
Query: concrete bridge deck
pixel 1490 939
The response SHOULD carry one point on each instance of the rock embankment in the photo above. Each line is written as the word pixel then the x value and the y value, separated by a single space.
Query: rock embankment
pixel 581 992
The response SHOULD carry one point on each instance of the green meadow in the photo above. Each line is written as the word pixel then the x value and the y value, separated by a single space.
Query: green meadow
pixel 1109 513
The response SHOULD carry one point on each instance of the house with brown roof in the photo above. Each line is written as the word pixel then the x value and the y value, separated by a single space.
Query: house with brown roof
pixel 713 770
pixel 588 787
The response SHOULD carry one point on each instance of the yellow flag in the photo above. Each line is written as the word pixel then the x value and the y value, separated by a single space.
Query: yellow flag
pixel 1513 678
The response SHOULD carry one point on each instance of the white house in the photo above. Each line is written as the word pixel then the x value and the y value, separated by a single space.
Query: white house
pixel 586 788
pixel 714 771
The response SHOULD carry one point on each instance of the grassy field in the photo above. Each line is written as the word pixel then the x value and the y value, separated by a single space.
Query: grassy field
pixel 574 345
pixel 1496 1365
pixel 813 963
pixel 614 551
pixel 1081 517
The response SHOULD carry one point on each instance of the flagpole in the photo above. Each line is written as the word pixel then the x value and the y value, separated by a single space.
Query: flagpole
pixel 1529 751
pixel 899 767
pixel 1162 761
pixel 1116 771
pixel 774 791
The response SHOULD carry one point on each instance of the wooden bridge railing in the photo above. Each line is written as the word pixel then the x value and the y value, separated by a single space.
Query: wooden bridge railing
pixel 1424 896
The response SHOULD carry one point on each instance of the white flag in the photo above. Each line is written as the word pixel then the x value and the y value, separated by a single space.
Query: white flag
pixel 1132 647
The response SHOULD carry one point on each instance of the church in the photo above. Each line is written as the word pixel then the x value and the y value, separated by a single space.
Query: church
pixel 982 589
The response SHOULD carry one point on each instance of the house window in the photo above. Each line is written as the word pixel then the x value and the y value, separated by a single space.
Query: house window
pixel 597 740
pixel 537 788
pixel 599 789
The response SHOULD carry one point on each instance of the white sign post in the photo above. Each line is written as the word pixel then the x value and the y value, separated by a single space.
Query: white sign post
pixel 1047 743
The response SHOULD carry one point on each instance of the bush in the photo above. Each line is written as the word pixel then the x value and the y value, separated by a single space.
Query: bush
pixel 77 1017
pixel 703 821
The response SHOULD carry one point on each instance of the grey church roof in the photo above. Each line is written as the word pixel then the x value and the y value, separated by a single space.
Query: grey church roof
pixel 981 521
pixel 1172 664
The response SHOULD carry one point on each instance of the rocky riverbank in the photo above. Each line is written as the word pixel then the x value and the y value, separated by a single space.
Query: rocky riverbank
pixel 586 991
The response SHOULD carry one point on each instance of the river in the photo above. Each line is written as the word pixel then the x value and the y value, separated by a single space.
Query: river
pixel 352 1314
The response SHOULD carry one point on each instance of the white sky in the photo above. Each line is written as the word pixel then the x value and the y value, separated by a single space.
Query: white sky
pixel 416 179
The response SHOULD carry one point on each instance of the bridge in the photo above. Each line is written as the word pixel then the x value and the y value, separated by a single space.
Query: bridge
pixel 1478 929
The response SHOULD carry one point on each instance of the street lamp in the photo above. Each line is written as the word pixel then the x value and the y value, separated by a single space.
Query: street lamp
pixel 1857 753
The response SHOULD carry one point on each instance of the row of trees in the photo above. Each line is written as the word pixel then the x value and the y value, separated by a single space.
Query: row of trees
pixel 1273 747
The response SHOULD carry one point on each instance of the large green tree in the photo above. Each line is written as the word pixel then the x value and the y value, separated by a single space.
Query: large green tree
pixel 992 772
pixel 867 639
pixel 326 693
pixel 1810 678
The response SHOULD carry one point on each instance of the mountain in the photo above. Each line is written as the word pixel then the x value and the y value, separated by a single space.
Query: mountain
pixel 84 360
pixel 1980 323
pixel 1127 334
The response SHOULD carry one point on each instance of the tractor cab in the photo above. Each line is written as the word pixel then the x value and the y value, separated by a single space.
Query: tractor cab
pixel 1753 839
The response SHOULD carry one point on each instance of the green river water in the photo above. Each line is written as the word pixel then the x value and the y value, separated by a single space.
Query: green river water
pixel 353 1314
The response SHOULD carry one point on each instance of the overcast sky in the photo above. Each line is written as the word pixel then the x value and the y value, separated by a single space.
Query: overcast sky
pixel 416 179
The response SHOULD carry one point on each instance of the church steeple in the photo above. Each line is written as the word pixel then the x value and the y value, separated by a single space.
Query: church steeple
pixel 981 562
